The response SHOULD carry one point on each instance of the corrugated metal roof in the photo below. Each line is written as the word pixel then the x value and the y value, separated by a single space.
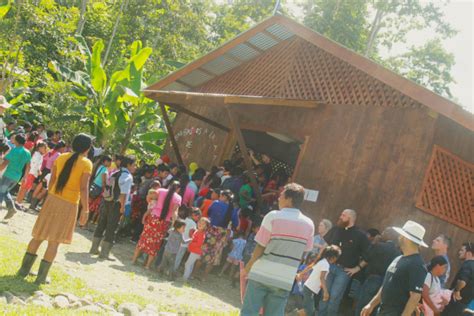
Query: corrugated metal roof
pixel 220 65
pixel 230 60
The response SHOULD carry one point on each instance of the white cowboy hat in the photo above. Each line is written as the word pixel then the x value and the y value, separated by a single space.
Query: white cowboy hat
pixel 3 103
pixel 412 231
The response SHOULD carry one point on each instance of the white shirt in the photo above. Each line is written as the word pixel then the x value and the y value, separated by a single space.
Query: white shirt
pixel 35 164
pixel 314 280
pixel 433 284
pixel 190 224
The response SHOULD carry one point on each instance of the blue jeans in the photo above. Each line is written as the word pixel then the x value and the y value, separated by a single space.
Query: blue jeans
pixel 258 295
pixel 6 184
pixel 337 281
pixel 368 290
pixel 308 301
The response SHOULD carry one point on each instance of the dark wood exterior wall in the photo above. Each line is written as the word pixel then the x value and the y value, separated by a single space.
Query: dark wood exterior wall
pixel 369 145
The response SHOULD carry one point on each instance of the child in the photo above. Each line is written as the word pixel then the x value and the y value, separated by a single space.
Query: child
pixel 317 279
pixel 235 256
pixel 191 224
pixel 171 249
pixel 195 247
pixel 251 243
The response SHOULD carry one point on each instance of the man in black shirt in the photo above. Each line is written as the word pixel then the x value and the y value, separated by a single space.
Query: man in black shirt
pixel 376 261
pixel 463 283
pixel 353 243
pixel 403 282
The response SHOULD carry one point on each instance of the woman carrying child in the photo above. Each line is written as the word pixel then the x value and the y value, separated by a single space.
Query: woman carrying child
pixel 157 221
pixel 99 176
pixel 35 170
pixel 317 280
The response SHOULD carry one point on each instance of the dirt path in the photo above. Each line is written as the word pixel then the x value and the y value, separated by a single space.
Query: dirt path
pixel 121 277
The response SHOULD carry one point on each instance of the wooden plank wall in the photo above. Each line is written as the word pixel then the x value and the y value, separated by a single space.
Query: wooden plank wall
pixel 371 159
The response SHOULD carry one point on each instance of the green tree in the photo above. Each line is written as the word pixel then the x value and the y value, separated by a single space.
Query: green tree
pixel 372 26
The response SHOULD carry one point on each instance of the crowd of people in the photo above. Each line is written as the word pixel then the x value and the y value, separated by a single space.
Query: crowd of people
pixel 188 222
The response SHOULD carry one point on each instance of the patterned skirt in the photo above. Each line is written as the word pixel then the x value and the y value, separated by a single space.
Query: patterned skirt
pixel 153 234
pixel 213 245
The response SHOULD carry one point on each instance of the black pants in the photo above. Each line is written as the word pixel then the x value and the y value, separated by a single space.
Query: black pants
pixel 454 308
pixel 108 221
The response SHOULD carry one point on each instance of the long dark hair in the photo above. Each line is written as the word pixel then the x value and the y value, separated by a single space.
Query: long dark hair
pixel 99 163
pixel 228 214
pixel 438 260
pixel 80 144
pixel 183 180
pixel 166 204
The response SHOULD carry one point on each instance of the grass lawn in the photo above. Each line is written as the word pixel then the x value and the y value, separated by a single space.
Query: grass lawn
pixel 11 254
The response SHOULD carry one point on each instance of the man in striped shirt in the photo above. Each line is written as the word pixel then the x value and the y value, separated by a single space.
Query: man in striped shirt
pixel 281 241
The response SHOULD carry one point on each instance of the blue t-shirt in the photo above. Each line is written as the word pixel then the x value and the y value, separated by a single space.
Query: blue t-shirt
pixel 17 158
pixel 217 212
pixel 98 176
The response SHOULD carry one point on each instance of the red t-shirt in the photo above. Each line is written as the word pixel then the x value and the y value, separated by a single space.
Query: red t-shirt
pixel 196 244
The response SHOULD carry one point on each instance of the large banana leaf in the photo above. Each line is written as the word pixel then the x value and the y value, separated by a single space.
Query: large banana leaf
pixel 152 136
pixel 98 76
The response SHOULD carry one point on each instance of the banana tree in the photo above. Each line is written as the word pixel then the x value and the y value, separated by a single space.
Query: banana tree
pixel 115 107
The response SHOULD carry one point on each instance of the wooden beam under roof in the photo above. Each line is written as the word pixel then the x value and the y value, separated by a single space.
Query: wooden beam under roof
pixel 212 99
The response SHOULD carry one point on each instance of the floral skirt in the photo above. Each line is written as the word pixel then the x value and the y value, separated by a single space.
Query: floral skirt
pixel 213 245
pixel 153 234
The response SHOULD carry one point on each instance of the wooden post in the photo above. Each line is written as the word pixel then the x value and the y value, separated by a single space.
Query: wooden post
pixel 171 134
pixel 245 154
pixel 228 148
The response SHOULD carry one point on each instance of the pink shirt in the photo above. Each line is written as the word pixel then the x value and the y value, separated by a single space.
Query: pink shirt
pixel 175 201
pixel 50 158
pixel 188 196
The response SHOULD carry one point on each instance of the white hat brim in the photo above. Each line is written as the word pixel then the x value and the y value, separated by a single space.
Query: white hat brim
pixel 410 237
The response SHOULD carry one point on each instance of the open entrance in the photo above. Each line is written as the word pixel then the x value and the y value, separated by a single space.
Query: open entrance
pixel 283 150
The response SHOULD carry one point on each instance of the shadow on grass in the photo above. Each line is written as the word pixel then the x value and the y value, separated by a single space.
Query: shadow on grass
pixel 83 258
pixel 17 285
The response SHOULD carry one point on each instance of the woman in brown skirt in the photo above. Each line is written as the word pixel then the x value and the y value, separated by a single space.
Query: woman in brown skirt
pixel 69 185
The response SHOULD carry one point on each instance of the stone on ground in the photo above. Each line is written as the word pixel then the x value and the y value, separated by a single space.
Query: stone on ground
pixel 61 301
pixel 129 309
pixel 90 308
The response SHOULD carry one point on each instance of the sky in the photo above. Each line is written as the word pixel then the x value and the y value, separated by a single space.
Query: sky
pixel 459 13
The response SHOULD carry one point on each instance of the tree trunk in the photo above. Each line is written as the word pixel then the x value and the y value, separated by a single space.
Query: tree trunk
pixel 123 5
pixel 374 29
pixel 82 19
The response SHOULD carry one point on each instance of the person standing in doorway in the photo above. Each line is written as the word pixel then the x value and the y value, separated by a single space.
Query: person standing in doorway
pixel 440 247
pixel 57 220
pixel 116 192
pixel 283 238
pixel 403 283
pixel 353 243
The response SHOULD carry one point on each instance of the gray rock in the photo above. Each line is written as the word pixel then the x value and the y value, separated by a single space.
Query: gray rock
pixel 71 297
pixel 9 296
pixel 89 297
pixel 151 288
pixel 167 314
pixel 42 303
pixel 75 305
pixel 90 308
pixel 129 309
pixel 85 302
pixel 3 300
pixel 61 301
pixel 106 307
pixel 115 314
pixel 38 293
pixel 148 312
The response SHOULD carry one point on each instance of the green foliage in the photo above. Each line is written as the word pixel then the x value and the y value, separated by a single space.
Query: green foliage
pixel 369 27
